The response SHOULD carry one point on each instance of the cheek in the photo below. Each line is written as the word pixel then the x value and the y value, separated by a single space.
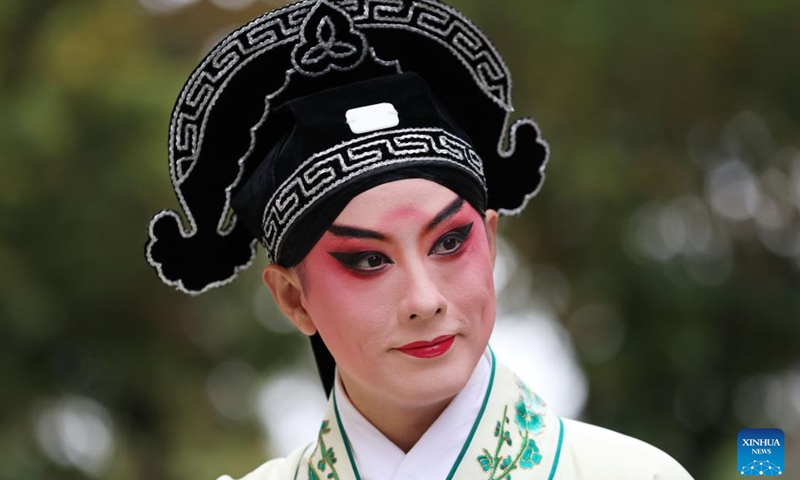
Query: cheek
pixel 346 308
pixel 472 281
pixel 478 259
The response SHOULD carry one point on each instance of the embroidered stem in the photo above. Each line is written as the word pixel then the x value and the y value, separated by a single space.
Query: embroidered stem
pixel 328 457
pixel 498 466
pixel 500 439
pixel 514 463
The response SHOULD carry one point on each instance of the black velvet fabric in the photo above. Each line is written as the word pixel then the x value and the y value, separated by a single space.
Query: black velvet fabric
pixel 315 123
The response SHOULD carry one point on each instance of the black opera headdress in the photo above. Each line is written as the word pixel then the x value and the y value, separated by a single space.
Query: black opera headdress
pixel 259 141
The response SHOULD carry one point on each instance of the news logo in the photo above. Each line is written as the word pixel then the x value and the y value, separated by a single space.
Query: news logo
pixel 761 451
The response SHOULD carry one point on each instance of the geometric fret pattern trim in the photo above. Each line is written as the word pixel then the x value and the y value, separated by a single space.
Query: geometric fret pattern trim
pixel 326 170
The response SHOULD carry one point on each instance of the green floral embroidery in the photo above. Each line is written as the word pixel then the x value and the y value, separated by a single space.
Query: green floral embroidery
pixel 530 456
pixel 327 460
pixel 530 398
pixel 529 422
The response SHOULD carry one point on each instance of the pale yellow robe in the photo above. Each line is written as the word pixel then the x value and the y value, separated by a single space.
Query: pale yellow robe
pixel 515 436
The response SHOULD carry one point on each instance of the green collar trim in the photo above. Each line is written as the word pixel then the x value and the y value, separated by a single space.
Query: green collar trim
pixel 558 449
pixel 302 457
pixel 477 420
pixel 345 439
pixel 464 448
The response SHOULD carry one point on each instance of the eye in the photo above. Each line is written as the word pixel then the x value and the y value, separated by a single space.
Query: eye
pixel 451 242
pixel 364 262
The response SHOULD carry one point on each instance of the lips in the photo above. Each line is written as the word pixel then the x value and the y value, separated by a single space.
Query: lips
pixel 436 347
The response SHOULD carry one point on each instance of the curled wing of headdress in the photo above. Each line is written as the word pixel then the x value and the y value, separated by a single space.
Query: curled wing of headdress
pixel 222 126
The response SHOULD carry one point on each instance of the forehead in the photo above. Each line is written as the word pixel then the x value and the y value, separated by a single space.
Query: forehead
pixel 408 198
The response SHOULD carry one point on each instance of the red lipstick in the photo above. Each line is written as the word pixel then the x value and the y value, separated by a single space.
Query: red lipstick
pixel 436 347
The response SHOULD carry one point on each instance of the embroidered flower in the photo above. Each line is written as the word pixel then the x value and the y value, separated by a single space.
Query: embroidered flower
pixel 525 456
pixel 514 447
pixel 533 401
pixel 530 455
pixel 526 419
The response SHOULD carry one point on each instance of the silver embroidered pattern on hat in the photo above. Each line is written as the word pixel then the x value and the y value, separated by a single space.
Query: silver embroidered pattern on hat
pixel 325 171
pixel 431 19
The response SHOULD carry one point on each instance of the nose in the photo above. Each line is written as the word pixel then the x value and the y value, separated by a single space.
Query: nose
pixel 422 298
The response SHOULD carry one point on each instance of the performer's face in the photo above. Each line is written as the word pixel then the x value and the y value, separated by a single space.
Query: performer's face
pixel 405 262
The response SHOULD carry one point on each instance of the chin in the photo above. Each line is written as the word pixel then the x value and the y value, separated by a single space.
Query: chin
pixel 435 383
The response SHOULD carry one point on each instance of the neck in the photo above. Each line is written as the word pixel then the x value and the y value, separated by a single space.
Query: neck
pixel 403 425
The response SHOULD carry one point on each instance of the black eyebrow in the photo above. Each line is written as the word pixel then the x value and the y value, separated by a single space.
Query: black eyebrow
pixel 446 213
pixel 352 232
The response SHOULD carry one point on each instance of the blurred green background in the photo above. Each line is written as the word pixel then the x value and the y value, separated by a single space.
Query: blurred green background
pixel 672 201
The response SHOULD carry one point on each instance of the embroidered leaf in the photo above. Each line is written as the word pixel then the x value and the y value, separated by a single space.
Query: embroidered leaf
pixel 321 465
pixel 312 475
pixel 497 430
pixel 331 475
pixel 506 462
pixel 485 461
pixel 324 428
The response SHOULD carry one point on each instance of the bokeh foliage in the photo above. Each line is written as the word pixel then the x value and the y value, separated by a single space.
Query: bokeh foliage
pixel 639 100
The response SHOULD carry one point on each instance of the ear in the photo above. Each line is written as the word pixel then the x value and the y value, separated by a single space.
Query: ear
pixel 287 289
pixel 491 221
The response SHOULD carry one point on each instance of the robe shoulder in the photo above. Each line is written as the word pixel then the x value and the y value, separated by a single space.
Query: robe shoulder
pixel 285 468
pixel 591 452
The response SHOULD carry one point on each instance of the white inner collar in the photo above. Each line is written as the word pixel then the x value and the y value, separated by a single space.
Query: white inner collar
pixel 433 456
